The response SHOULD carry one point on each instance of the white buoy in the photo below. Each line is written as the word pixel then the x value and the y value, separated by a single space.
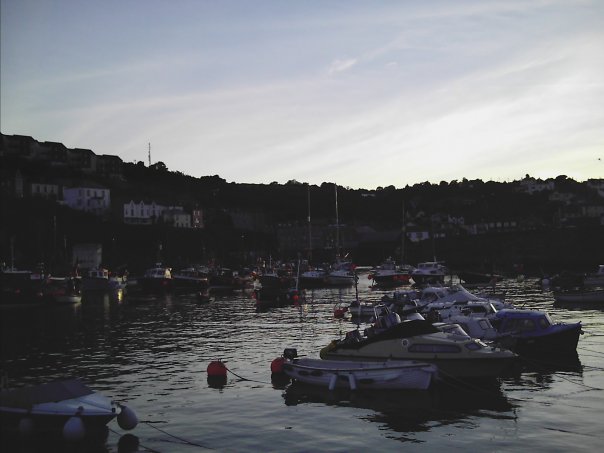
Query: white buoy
pixel 26 426
pixel 74 429
pixel 127 419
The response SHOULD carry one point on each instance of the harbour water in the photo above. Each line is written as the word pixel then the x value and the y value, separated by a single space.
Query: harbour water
pixel 152 354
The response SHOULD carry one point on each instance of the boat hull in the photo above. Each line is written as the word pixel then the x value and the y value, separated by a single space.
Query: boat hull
pixel 354 375
pixel 596 296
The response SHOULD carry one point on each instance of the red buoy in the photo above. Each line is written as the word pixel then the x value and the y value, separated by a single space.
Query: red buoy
pixel 277 365
pixel 217 369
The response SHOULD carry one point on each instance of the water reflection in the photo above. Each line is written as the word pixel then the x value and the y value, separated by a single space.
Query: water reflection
pixel 411 411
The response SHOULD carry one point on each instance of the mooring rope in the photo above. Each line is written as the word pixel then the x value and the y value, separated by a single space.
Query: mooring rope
pixel 246 379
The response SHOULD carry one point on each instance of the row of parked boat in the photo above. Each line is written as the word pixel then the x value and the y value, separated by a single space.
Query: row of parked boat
pixel 417 336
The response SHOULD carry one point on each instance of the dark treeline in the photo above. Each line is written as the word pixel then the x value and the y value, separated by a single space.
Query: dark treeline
pixel 35 229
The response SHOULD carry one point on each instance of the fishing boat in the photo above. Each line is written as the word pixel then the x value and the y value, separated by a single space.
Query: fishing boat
pixel 429 272
pixel 157 279
pixel 58 291
pixel 532 332
pixel 66 406
pixel 580 296
pixel 100 279
pixel 341 274
pixel 388 274
pixel 355 375
pixel 456 355
pixel 191 279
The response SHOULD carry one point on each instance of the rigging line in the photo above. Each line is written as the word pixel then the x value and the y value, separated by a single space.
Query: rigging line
pixel 178 438
pixel 246 379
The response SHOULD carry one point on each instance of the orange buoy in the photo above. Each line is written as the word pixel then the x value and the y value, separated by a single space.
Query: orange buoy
pixel 217 369
pixel 277 365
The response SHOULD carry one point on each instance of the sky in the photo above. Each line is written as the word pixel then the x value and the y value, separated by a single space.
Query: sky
pixel 364 94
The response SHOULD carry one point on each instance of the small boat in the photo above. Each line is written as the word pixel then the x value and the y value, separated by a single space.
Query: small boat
pixel 456 355
pixel 191 278
pixel 532 332
pixel 157 279
pixel 596 278
pixel 100 279
pixel 579 296
pixel 313 278
pixel 429 272
pixel 65 406
pixel 475 278
pixel 388 274
pixel 58 291
pixel 341 274
pixel 354 375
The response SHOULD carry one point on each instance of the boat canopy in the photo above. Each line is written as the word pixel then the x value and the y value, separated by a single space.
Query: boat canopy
pixel 404 329
pixel 26 397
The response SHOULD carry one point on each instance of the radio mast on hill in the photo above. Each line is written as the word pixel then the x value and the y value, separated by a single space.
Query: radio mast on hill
pixel 149 154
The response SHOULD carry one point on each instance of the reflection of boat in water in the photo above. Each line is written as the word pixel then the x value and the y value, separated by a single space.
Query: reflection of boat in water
pixel 409 411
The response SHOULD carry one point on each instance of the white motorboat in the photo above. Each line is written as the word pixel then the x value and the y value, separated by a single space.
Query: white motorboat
pixel 354 375
pixel 443 297
pixel 388 274
pixel 429 272
pixel 313 278
pixel 67 406
pixel 341 274
pixel 457 356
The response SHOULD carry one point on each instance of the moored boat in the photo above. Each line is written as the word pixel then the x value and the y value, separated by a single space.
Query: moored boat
pixel 429 272
pixel 354 375
pixel 157 279
pixel 532 332
pixel 67 406
pixel 457 356
pixel 580 296
pixel 388 274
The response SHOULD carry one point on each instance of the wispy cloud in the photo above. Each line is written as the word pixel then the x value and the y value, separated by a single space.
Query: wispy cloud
pixel 341 65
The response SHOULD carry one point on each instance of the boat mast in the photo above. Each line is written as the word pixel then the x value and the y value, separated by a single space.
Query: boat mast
pixel 309 230
pixel 404 233
pixel 335 186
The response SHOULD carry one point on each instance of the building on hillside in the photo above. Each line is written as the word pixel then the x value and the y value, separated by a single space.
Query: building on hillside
pixel 44 190
pixel 90 198
pixel 141 213
pixel 176 217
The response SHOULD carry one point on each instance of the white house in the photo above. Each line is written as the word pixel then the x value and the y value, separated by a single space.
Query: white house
pixel 90 199
pixel 142 213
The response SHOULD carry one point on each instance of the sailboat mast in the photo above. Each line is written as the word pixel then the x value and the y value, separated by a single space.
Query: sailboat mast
pixel 403 236
pixel 309 230
pixel 337 224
